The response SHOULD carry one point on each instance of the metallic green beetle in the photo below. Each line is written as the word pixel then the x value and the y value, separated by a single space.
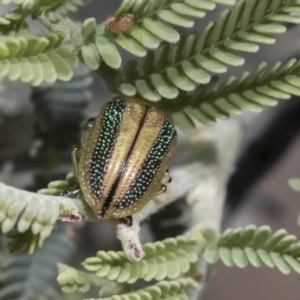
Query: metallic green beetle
pixel 123 162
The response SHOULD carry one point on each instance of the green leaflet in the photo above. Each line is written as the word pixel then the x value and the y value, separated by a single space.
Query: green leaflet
pixel 128 89
pixel 194 73
pixel 115 275
pixel 72 280
pixel 163 86
pixel 250 92
pixel 58 186
pixel 33 218
pixel 166 259
pixel 211 64
pixel 62 68
pixel 48 71
pixel 88 29
pixel 35 59
pixel 175 18
pixel 98 47
pixel 150 26
pixel 189 61
pixel 146 38
pixel 91 56
pixel 180 80
pixel 178 13
pixel 175 289
pixel 130 44
pixel 62 9
pixel 187 10
pixel 10 216
pixel 183 120
pixel 14 23
pixel 161 30
pixel 53 10
pixel 257 246
pixel 147 91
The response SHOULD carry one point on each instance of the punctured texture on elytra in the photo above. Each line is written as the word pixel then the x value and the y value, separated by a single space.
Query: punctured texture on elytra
pixel 124 160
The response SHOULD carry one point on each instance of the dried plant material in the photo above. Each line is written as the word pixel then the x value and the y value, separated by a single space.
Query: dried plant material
pixel 121 23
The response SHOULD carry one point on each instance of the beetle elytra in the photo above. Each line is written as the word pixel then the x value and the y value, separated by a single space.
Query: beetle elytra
pixel 123 162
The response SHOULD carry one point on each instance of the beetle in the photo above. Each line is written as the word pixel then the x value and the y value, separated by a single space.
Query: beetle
pixel 123 162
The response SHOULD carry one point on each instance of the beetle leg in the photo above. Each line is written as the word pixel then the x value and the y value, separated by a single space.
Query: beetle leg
pixel 75 154
pixel 87 126
pixel 126 221
pixel 162 190
pixel 167 177
pixel 70 191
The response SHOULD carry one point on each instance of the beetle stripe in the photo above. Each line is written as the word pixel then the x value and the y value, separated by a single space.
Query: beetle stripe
pixel 111 122
pixel 125 154
pixel 108 200
pixel 148 169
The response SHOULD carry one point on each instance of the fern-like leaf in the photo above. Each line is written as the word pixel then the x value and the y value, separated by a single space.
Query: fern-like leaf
pixel 146 28
pixel 174 289
pixel 61 8
pixel 53 9
pixel 190 61
pixel 257 246
pixel 166 259
pixel 33 278
pixel 72 280
pixel 35 59
pixel 14 23
pixel 27 241
pixel 25 4
pixel 35 216
pixel 59 109
pixel 55 188
pixel 250 92
pixel 96 46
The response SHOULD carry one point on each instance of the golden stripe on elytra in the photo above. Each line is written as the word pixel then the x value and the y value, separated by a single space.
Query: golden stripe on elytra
pixel 123 161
